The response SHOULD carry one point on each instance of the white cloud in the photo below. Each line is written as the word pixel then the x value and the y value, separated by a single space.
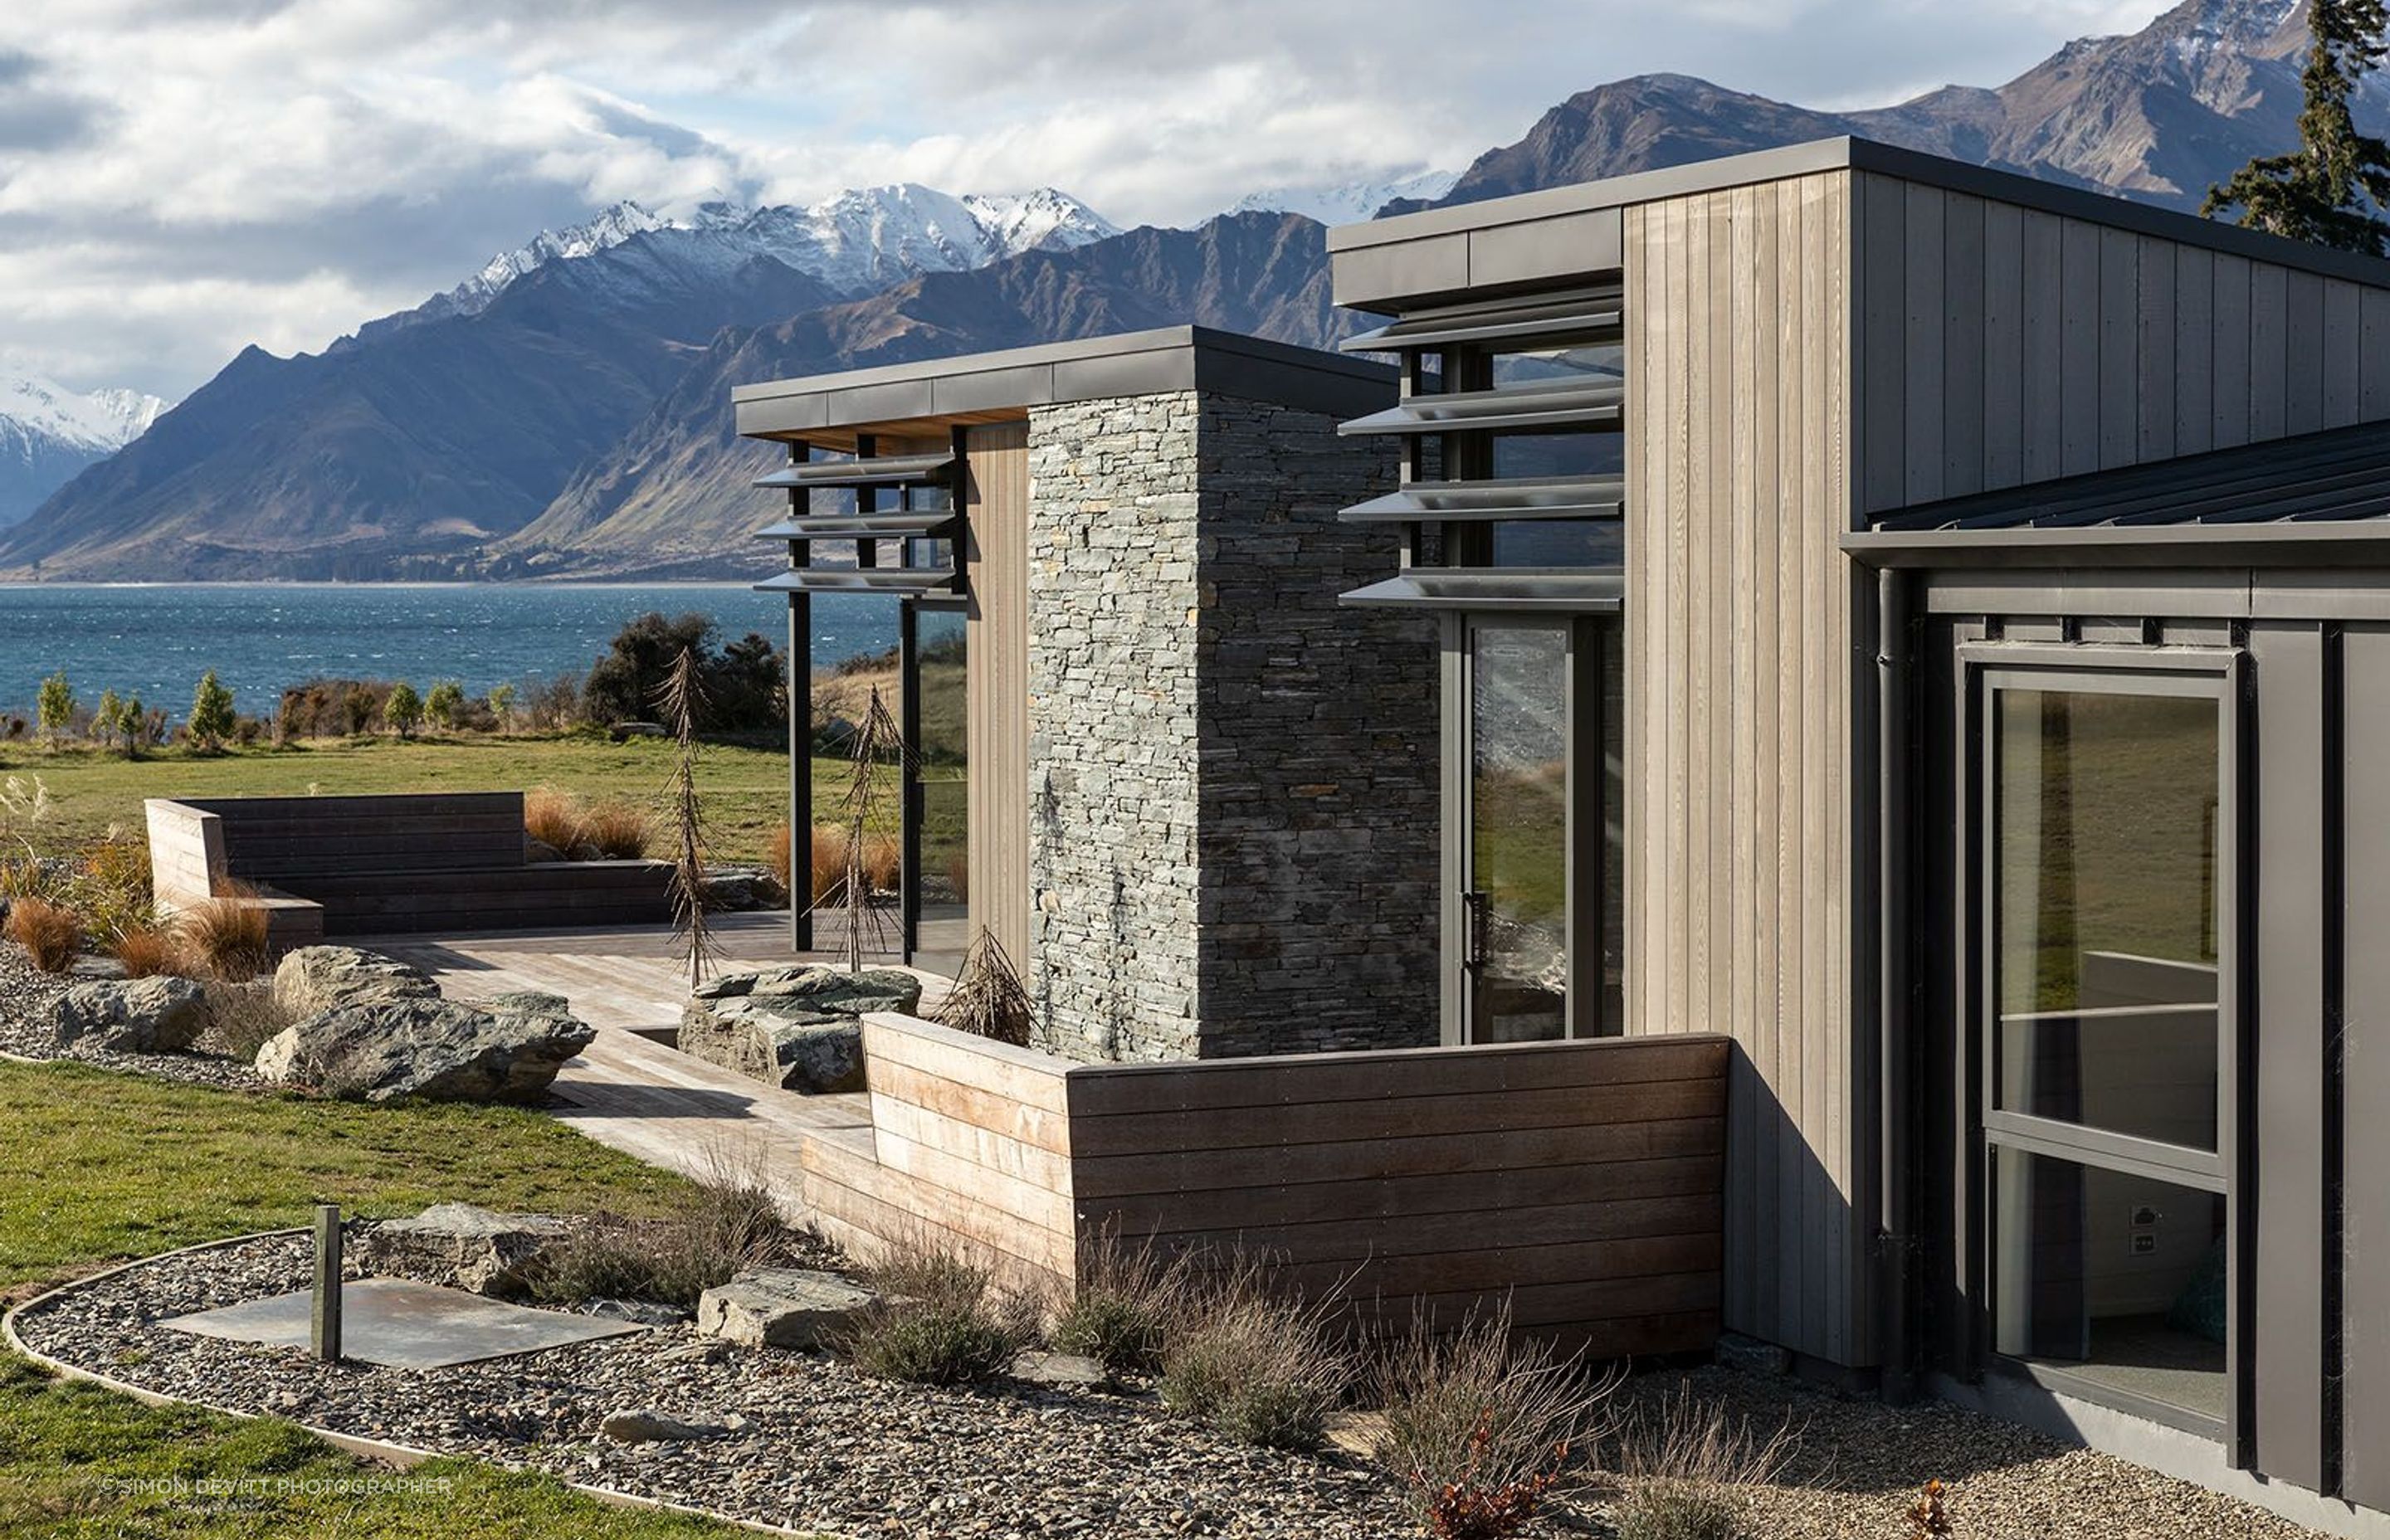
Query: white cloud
pixel 179 178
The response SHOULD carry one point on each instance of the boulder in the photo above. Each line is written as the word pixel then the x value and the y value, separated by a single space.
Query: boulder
pixel 315 979
pixel 132 1015
pixel 739 889
pixel 431 1048
pixel 1063 1370
pixel 636 1312
pixel 831 989
pixel 640 1426
pixel 458 1246
pixel 781 1042
pixel 539 853
pixel 781 1308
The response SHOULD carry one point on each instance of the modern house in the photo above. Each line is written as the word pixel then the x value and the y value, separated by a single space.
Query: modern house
pixel 1192 798
pixel 1934 626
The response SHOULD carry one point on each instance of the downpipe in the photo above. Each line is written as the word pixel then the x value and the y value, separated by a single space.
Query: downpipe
pixel 1896 1076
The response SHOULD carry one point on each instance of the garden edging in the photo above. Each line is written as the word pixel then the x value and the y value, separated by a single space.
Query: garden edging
pixel 398 1456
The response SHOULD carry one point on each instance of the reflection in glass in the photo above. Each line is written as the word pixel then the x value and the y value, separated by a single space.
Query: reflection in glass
pixel 1611 1009
pixel 945 763
pixel 1585 363
pixel 1519 832
pixel 1558 543
pixel 1577 453
pixel 2105 807
pixel 2118 1278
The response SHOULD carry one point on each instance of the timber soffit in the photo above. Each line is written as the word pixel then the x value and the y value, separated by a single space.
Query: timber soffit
pixel 926 395
pixel 1392 263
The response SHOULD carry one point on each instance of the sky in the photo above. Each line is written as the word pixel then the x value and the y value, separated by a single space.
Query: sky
pixel 182 179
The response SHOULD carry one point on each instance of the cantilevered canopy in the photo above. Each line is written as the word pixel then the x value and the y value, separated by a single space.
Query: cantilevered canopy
pixel 1571 405
pixel 1577 591
pixel 895 524
pixel 881 471
pixel 1587 313
pixel 860 580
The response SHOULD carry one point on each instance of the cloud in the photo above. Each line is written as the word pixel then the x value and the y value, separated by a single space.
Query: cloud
pixel 179 178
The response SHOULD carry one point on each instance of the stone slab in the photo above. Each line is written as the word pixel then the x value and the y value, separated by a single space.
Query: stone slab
pixel 403 1325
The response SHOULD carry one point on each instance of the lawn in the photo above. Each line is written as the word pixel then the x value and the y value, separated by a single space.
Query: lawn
pixel 102 1166
pixel 744 788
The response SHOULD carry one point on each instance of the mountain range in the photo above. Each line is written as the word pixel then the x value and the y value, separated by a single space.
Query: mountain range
pixel 48 432
pixel 566 410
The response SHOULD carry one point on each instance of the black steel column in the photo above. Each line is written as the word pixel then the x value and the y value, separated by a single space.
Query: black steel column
pixel 800 728
pixel 908 705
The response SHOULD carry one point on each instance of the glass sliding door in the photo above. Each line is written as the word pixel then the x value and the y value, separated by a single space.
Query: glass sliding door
pixel 2105 867
pixel 1540 830
pixel 937 848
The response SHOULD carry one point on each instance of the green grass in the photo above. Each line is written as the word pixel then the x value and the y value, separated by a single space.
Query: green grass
pixel 744 788
pixel 105 1166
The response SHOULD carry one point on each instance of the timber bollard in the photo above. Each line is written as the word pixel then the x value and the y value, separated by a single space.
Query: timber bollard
pixel 324 1328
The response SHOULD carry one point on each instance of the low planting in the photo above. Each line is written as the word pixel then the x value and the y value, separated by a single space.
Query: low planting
pixel 50 933
pixel 1259 1366
pixel 940 1319
pixel 585 830
pixel 1122 1311
pixel 1690 1471
pixel 728 1223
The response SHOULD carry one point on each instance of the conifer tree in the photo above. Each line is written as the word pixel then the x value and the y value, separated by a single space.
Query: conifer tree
pixel 56 707
pixel 2331 190
pixel 212 713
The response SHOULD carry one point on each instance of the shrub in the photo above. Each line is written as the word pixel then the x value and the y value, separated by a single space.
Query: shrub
pixel 403 710
pixel 1257 1367
pixel 228 937
pixel 56 707
pixel 828 861
pixel 741 682
pixel 240 1018
pixel 779 858
pixel 553 818
pixel 941 1320
pixel 1690 1471
pixel 444 707
pixel 500 705
pixel 884 861
pixel 110 887
pixel 1479 1427
pixel 731 1223
pixel 147 951
pixel 212 713
pixel 50 933
pixel 1121 1313
pixel 615 831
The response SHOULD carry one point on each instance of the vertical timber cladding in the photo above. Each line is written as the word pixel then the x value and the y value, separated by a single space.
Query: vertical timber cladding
pixel 996 509
pixel 1740 638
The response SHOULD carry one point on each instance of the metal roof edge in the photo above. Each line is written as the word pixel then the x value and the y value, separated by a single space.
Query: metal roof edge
pixel 2356 541
pixel 1867 155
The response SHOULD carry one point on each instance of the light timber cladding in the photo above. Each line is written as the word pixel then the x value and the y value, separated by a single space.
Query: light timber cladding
pixel 1739 631
pixel 1998 345
pixel 995 502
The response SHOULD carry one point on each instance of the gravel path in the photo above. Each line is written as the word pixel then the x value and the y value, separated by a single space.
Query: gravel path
pixel 27 997
pixel 824 1446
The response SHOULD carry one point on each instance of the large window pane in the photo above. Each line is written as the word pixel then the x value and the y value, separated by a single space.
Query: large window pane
pixel 1575 453
pixel 1557 543
pixel 1579 363
pixel 1519 832
pixel 945 763
pixel 2106 810
pixel 2116 1278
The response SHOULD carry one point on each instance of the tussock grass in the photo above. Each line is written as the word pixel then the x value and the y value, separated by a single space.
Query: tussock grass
pixel 728 1223
pixel 1690 1468
pixel 150 951
pixel 50 933
pixel 226 936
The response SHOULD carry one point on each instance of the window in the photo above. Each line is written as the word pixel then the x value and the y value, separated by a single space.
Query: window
pixel 2105 854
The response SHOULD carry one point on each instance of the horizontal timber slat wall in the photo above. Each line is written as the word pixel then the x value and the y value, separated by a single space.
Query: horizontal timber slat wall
pixel 1585 1179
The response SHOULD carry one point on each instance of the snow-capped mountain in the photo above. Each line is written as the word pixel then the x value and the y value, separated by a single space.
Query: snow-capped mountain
pixel 1348 202
pixel 48 432
pixel 857 242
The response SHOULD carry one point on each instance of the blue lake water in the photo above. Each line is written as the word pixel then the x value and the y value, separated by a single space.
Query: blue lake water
pixel 155 640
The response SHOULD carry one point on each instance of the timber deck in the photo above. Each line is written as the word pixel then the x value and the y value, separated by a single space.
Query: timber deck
pixel 630 1092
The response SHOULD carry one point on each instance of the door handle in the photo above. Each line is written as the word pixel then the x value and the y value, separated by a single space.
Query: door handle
pixel 1479 907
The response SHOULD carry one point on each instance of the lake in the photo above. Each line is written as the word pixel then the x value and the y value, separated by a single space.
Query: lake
pixel 155 640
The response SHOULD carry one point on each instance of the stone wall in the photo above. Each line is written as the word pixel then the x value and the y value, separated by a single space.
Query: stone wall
pixel 1233 806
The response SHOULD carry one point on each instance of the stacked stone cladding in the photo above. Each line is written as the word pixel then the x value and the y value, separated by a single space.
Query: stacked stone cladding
pixel 1233 817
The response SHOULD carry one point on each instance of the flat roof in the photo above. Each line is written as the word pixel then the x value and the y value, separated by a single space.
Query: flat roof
pixel 1423 254
pixel 934 395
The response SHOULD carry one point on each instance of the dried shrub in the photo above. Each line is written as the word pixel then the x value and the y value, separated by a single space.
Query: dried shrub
pixel 828 861
pixel 883 862
pixel 1258 1367
pixel 1479 1426
pixel 1121 1313
pixel 1926 1519
pixel 227 936
pixel 149 951
pixel 940 1320
pixel 552 819
pixel 242 1017
pixel 50 933
pixel 729 1223
pixel 779 858
pixel 615 831
pixel 987 999
pixel 1690 1469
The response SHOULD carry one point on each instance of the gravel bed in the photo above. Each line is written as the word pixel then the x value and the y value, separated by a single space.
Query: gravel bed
pixel 27 997
pixel 824 1446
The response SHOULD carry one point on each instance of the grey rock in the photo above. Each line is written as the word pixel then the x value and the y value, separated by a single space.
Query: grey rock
pixel 701 1349
pixel 831 989
pixel 1071 1371
pixel 459 1246
pixel 739 889
pixel 779 1040
pixel 433 1049
pixel 90 968
pixel 315 979
pixel 636 1312
pixel 782 1307
pixel 539 853
pixel 529 1002
pixel 133 1016
pixel 645 1427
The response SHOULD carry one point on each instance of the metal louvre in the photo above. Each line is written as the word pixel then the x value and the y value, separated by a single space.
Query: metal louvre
pixel 1513 588
pixel 1541 406
pixel 1479 502
pixel 860 580
pixel 877 471
pixel 895 524
pixel 1590 311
